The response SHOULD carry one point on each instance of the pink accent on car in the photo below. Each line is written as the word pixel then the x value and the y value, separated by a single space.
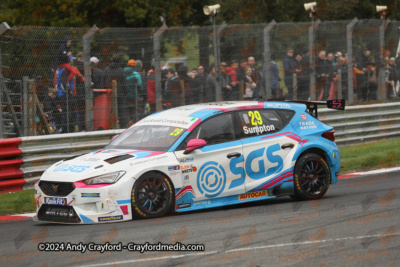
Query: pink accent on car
pixel 195 143
pixel 83 185
pixel 124 209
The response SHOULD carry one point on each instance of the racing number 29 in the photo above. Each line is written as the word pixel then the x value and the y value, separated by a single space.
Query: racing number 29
pixel 176 132
pixel 255 117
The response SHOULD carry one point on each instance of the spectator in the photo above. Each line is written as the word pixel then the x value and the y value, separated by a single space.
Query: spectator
pixel 289 66
pixel 139 69
pixel 97 74
pixel 241 74
pixel 63 59
pixel 226 85
pixel 337 56
pixel 342 67
pixel 200 80
pixel 181 88
pixel 116 72
pixel 211 84
pixel 274 77
pixel 65 93
pixel 321 72
pixel 330 74
pixel 299 75
pixel 250 85
pixel 134 90
pixel 363 79
pixel 372 83
pixel 231 71
pixel 304 86
pixel 392 78
pixel 398 71
pixel 52 109
pixel 167 96
pixel 255 76
pixel 151 90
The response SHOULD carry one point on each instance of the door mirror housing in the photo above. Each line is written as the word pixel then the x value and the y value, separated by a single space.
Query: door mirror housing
pixel 194 144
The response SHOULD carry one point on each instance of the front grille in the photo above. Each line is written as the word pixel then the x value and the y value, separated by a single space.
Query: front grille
pixel 58 189
pixel 51 213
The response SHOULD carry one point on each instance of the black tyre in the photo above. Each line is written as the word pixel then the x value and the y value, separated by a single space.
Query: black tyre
pixel 151 196
pixel 312 177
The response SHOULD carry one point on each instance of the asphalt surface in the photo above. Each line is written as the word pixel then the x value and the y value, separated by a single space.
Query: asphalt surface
pixel 355 224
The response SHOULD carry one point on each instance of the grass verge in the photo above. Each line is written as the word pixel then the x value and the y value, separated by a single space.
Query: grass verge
pixel 18 202
pixel 365 157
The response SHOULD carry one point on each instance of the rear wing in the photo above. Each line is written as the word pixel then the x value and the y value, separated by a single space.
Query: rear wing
pixel 312 106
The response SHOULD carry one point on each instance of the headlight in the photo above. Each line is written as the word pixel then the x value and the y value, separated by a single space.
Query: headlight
pixel 108 178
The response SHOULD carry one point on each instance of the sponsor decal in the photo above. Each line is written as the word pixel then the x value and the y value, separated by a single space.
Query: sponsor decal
pixel 187 168
pixel 90 194
pixel 91 159
pixel 55 201
pixel 186 180
pixel 258 129
pixel 193 119
pixel 211 179
pixel 274 105
pixel 182 206
pixel 201 203
pixel 186 160
pixel 304 117
pixel 173 168
pixel 70 168
pixel 253 195
pixel 304 125
pixel 111 218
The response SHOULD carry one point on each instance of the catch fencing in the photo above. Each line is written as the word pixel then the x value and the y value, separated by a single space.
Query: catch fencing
pixel 28 63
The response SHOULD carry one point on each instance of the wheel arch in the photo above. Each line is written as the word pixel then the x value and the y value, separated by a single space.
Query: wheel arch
pixel 162 173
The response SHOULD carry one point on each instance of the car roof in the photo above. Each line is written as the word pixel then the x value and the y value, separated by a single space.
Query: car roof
pixel 186 116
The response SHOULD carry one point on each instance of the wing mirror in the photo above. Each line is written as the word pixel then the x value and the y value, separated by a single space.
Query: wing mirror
pixel 194 144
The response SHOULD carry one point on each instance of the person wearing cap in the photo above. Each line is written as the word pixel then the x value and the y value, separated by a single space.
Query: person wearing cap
pixel 134 88
pixel 337 56
pixel 97 74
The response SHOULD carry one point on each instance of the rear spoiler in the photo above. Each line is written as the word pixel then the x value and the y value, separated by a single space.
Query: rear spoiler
pixel 312 106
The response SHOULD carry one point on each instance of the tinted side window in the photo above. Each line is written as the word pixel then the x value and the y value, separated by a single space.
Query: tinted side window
pixel 259 122
pixel 219 129
pixel 286 115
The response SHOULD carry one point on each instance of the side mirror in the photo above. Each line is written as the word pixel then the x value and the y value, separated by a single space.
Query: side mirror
pixel 194 144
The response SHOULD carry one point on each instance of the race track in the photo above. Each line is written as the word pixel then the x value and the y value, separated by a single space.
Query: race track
pixel 355 224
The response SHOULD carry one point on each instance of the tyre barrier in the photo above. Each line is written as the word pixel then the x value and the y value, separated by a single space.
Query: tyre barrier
pixel 10 162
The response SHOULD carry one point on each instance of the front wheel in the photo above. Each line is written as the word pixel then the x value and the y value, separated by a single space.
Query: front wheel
pixel 312 177
pixel 151 196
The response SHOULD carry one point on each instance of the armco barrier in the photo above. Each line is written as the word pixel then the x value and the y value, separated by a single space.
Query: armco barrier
pixel 10 165
pixel 40 152
pixel 357 124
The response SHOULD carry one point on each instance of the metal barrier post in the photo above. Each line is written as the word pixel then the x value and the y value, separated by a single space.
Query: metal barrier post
pixel 267 58
pixel 311 41
pixel 114 105
pixel 157 68
pixel 25 105
pixel 3 28
pixel 217 53
pixel 382 93
pixel 88 77
pixel 350 29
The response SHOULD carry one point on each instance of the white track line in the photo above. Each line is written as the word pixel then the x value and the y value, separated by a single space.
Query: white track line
pixel 240 249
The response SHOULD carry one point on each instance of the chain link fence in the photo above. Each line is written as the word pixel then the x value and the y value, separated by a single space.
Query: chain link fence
pixel 63 80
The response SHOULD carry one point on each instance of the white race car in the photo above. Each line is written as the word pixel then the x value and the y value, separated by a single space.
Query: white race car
pixel 194 157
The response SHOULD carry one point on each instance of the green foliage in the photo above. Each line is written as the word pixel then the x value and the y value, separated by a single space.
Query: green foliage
pixel 143 13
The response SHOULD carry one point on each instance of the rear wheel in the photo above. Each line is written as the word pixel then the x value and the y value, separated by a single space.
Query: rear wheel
pixel 312 177
pixel 151 196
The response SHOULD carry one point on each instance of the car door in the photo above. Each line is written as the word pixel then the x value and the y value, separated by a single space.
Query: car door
pixel 216 170
pixel 267 150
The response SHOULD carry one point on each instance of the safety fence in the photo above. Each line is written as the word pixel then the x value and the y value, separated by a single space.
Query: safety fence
pixel 159 68
pixel 23 160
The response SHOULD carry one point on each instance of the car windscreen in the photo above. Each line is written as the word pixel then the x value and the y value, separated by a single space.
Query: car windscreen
pixel 147 137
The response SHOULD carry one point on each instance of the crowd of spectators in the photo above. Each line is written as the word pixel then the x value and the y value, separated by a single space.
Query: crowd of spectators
pixel 239 80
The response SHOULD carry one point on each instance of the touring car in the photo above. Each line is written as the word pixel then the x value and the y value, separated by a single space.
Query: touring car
pixel 195 157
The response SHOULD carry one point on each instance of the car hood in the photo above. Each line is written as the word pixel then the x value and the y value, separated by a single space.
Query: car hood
pixel 94 163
